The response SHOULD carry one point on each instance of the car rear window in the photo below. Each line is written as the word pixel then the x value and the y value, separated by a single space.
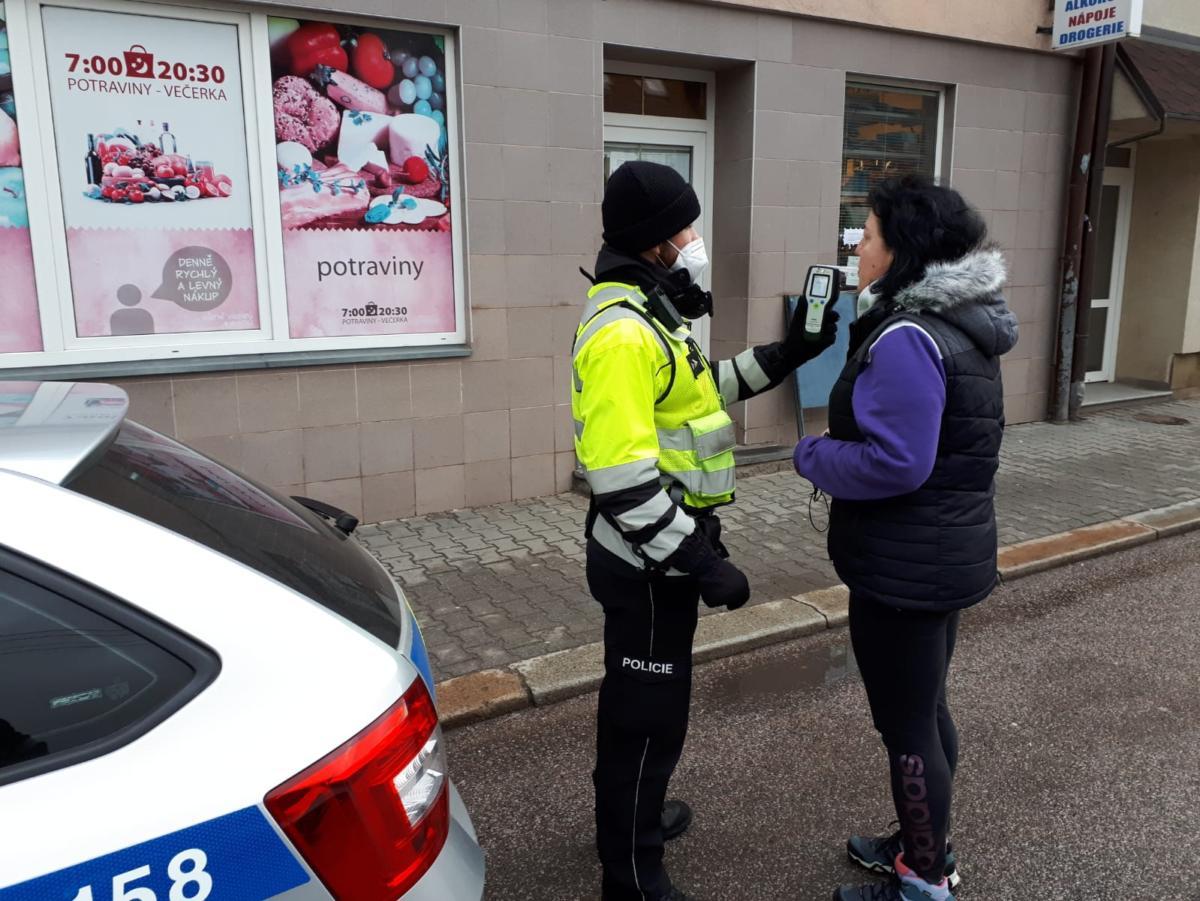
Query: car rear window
pixel 74 683
pixel 168 483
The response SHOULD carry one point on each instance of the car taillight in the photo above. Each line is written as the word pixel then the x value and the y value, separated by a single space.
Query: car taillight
pixel 370 817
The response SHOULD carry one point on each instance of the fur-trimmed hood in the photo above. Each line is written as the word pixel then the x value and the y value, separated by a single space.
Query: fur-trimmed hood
pixel 966 293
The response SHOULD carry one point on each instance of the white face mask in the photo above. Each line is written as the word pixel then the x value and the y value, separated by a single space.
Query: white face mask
pixel 692 257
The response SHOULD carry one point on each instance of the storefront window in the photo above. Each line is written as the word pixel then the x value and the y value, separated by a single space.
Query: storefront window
pixel 20 327
pixel 364 180
pixel 154 173
pixel 890 131
pixel 222 182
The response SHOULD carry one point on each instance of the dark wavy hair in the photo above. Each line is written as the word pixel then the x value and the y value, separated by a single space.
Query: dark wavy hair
pixel 922 223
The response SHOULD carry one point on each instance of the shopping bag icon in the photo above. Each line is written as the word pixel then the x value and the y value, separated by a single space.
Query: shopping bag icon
pixel 139 63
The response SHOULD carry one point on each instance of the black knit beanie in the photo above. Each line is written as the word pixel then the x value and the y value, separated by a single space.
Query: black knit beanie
pixel 645 204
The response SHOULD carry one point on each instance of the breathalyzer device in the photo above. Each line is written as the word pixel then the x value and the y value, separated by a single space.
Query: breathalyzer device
pixel 822 288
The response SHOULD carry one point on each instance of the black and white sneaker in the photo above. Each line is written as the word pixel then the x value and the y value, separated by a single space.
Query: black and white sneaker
pixel 878 854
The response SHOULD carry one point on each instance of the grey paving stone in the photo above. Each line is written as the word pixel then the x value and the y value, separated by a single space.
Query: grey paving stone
pixel 464 571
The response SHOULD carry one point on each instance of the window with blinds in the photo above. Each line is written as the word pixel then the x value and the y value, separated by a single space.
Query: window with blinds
pixel 889 131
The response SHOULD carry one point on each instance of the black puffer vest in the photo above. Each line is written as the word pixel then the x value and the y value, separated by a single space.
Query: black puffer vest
pixel 933 549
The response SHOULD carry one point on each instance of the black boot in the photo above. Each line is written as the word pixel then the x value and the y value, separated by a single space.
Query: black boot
pixel 675 894
pixel 676 817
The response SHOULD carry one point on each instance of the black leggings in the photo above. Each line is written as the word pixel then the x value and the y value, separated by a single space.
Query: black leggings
pixel 904 656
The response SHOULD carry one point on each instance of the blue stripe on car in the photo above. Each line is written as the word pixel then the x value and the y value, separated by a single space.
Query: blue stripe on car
pixel 240 853
pixel 420 657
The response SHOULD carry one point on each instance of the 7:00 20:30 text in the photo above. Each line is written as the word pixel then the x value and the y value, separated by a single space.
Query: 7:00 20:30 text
pixel 99 65
pixel 372 310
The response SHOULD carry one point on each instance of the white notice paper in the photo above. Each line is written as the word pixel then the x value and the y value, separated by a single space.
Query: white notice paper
pixel 850 270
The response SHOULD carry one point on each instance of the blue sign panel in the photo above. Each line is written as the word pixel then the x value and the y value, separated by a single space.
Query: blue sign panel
pixel 814 380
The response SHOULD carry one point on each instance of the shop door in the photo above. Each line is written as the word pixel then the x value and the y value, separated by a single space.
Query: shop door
pixel 683 151
pixel 1112 246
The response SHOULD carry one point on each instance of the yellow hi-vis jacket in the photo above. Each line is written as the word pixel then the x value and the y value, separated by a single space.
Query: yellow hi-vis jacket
pixel 651 430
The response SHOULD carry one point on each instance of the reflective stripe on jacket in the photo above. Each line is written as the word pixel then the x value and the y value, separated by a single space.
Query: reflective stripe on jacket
pixel 651 431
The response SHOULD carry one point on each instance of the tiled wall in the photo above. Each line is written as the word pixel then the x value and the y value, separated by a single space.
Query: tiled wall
pixel 732 202
pixel 382 441
pixel 387 440
pixel 532 121
pixel 1008 151
pixel 797 160
pixel 1011 160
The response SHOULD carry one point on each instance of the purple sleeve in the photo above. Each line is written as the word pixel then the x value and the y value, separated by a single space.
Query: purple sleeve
pixel 898 403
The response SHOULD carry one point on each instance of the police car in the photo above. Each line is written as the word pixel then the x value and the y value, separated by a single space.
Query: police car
pixel 206 690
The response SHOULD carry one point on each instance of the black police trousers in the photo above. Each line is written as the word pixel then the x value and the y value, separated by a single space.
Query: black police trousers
pixel 649 625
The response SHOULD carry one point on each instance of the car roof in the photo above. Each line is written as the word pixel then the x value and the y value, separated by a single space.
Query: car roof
pixel 51 430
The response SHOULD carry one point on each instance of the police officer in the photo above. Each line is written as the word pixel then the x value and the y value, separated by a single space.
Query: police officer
pixel 656 442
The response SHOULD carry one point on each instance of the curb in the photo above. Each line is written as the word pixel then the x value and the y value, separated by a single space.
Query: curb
pixel 564 674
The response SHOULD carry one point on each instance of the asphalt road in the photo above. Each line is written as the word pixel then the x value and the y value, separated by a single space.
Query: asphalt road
pixel 1077 695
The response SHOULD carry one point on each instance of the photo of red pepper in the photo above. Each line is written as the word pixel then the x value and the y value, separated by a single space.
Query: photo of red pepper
pixel 316 44
pixel 371 61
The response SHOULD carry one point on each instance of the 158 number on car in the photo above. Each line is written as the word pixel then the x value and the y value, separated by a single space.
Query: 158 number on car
pixel 189 881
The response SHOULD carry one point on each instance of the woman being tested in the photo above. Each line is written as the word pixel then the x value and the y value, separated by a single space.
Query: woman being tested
pixel 915 423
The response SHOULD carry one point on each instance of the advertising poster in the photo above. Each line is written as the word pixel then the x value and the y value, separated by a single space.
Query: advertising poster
pixel 364 179
pixel 150 134
pixel 20 327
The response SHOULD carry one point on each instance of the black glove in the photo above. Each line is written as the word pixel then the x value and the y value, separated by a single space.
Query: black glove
pixel 724 585
pixel 721 583
pixel 797 348
pixel 709 525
